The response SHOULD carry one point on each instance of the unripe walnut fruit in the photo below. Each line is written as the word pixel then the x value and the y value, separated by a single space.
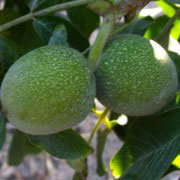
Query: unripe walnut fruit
pixel 135 76
pixel 48 90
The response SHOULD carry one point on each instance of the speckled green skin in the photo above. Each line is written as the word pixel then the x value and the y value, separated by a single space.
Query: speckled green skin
pixel 48 90
pixel 134 79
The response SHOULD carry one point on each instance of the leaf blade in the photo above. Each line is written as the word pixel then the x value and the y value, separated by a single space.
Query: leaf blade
pixel 151 141
pixel 64 145
pixel 2 131
pixel 20 147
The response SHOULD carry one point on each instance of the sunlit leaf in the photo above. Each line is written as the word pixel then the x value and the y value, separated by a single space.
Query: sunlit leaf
pixel 156 27
pixel 151 145
pixel 167 8
pixel 176 162
pixel 175 30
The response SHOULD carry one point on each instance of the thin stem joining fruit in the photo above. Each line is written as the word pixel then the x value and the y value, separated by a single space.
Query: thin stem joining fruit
pixel 101 39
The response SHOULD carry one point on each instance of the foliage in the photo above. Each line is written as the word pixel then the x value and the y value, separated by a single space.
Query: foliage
pixel 151 147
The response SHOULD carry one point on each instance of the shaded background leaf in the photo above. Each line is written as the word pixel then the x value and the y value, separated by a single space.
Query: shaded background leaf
pixel 59 36
pixel 40 4
pixel 45 26
pixel 20 147
pixel 100 145
pixel 25 36
pixel 84 20
pixel 2 131
pixel 139 27
pixel 64 145
pixel 173 1
pixel 9 53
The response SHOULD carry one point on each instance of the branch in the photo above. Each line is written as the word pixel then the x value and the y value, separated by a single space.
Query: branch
pixel 167 26
pixel 129 8
pixel 44 12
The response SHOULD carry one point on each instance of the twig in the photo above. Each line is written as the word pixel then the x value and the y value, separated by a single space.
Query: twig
pixel 44 12
pixel 167 26
pixel 101 119
pixel 101 39
pixel 86 50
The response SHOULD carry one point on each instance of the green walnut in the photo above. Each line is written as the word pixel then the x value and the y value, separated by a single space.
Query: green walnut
pixel 48 90
pixel 135 76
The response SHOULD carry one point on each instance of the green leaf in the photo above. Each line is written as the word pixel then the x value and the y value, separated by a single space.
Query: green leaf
pixel 168 9
pixel 18 6
pixel 154 30
pixel 156 27
pixel 176 162
pixel 78 164
pixel 78 176
pixel 173 1
pixel 59 36
pixel 9 53
pixel 84 20
pixel 7 15
pixel 25 36
pixel 19 148
pixel 64 145
pixel 40 4
pixel 151 145
pixel 2 131
pixel 175 33
pixel 101 141
pixel 171 169
pixel 139 27
pixel 45 26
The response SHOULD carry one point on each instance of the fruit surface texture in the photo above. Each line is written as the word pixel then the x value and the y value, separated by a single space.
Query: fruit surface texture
pixel 135 76
pixel 48 90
